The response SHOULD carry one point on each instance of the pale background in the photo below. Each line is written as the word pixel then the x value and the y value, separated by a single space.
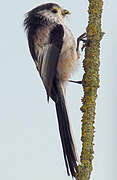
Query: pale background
pixel 30 147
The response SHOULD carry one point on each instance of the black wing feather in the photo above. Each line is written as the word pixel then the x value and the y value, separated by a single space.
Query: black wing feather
pixel 48 56
pixel 51 56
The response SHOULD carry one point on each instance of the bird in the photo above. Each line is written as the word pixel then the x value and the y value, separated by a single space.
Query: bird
pixel 55 53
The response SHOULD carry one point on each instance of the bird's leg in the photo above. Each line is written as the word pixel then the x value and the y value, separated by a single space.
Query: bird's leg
pixel 80 38
pixel 77 82
pixel 83 39
pixel 86 42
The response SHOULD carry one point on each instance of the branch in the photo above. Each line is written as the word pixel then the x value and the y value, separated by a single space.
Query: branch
pixel 91 65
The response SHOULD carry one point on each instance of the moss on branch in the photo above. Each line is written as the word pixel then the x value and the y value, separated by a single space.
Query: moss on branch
pixel 91 65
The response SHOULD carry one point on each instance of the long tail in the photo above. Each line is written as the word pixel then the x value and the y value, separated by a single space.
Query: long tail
pixel 66 135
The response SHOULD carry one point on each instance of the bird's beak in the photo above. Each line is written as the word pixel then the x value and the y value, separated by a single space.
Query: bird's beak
pixel 65 11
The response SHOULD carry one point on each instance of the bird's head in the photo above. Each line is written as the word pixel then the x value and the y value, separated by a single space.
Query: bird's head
pixel 51 11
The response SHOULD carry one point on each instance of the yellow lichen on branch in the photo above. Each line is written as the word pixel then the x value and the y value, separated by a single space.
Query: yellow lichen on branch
pixel 91 65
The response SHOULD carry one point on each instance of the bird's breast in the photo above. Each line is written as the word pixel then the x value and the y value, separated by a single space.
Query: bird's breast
pixel 68 56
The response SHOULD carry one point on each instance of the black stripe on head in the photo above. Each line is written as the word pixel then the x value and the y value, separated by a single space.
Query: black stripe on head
pixel 47 6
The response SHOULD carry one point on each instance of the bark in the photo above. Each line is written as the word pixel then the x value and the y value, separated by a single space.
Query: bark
pixel 91 65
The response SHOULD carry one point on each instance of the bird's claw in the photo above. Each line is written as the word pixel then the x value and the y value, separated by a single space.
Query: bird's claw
pixel 82 38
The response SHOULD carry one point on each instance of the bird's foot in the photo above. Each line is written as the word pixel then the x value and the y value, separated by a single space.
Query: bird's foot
pixel 85 41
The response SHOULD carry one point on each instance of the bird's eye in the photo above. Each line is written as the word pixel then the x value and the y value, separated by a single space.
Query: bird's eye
pixel 54 10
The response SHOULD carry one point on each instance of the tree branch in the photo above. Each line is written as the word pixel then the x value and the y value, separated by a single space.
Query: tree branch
pixel 91 65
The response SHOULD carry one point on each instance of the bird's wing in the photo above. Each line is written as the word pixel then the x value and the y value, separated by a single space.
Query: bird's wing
pixel 47 56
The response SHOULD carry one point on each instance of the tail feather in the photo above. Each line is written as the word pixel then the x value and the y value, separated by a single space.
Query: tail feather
pixel 66 136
